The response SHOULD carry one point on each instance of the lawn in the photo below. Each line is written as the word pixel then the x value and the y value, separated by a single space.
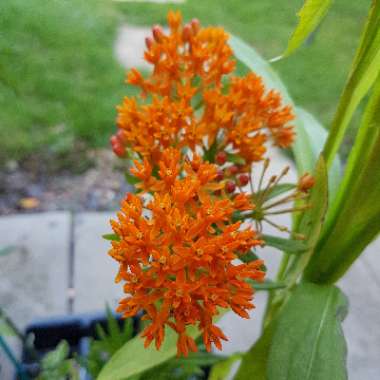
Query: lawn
pixel 59 81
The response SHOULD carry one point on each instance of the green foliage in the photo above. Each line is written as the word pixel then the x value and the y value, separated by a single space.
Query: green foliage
pixel 221 370
pixel 189 368
pixel 255 360
pixel 107 343
pixel 288 245
pixel 364 71
pixel 111 237
pixel 354 219
pixel 308 342
pixel 311 221
pixel 310 15
pixel 6 250
pixel 56 365
pixel 59 81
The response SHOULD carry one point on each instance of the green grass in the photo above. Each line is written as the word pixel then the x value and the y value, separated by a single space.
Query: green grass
pixel 59 82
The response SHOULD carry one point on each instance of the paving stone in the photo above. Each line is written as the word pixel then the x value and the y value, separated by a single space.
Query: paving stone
pixel 94 271
pixel 130 45
pixel 362 324
pixel 34 276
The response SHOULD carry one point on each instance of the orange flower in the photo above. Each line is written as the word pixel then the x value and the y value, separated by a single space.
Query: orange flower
pixel 177 253
pixel 190 108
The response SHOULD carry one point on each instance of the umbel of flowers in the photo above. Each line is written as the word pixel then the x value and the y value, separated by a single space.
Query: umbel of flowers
pixel 193 135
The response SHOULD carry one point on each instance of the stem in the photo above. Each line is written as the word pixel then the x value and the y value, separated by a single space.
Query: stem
pixel 12 358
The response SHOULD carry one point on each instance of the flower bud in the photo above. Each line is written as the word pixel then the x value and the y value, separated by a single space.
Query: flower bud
pixel 149 42
pixel 230 187
pixel 221 158
pixel 158 33
pixel 243 179
pixel 306 182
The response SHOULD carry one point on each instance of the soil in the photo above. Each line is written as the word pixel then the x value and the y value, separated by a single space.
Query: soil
pixel 91 183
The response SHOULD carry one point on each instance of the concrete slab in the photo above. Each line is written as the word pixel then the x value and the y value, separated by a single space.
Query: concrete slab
pixel 94 270
pixel 34 276
pixel 130 45
pixel 362 325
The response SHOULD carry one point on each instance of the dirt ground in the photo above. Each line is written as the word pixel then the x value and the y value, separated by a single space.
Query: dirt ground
pixel 36 186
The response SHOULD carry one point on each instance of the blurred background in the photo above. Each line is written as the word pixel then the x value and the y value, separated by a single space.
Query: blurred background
pixel 62 68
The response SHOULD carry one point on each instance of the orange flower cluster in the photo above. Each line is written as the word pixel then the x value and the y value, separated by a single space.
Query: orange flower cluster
pixel 190 106
pixel 176 250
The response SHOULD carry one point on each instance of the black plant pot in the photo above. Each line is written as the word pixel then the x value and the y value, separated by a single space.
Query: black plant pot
pixel 75 330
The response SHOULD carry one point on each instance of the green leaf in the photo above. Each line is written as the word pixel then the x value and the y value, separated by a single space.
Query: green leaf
pixel 235 158
pixel 288 245
pixel 248 257
pixel 308 342
pixel 310 15
pixel 131 179
pixel 266 285
pixel 254 362
pixel 5 329
pixel 364 71
pixel 221 370
pixel 311 221
pixel 111 237
pixel 355 215
pixel 310 134
pixel 209 154
pixel 133 359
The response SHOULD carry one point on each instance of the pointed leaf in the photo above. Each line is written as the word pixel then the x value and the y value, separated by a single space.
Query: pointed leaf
pixel 287 245
pixel 111 237
pixel 364 71
pixel 310 15
pixel 308 341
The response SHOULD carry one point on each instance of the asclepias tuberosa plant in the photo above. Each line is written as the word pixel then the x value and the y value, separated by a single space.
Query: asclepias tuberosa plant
pixel 196 147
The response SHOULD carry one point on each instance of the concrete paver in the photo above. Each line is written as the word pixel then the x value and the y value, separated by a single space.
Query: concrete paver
pixel 94 270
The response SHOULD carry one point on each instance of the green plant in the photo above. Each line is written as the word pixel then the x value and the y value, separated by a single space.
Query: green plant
pixel 302 336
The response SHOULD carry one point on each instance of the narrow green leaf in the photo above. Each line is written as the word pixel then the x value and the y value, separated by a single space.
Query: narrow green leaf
pixel 111 237
pixel 311 221
pixel 134 359
pixel 364 71
pixel 310 15
pixel 308 342
pixel 286 245
pixel 355 216
pixel 115 336
pixel 5 329
pixel 267 285
pixel 221 370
